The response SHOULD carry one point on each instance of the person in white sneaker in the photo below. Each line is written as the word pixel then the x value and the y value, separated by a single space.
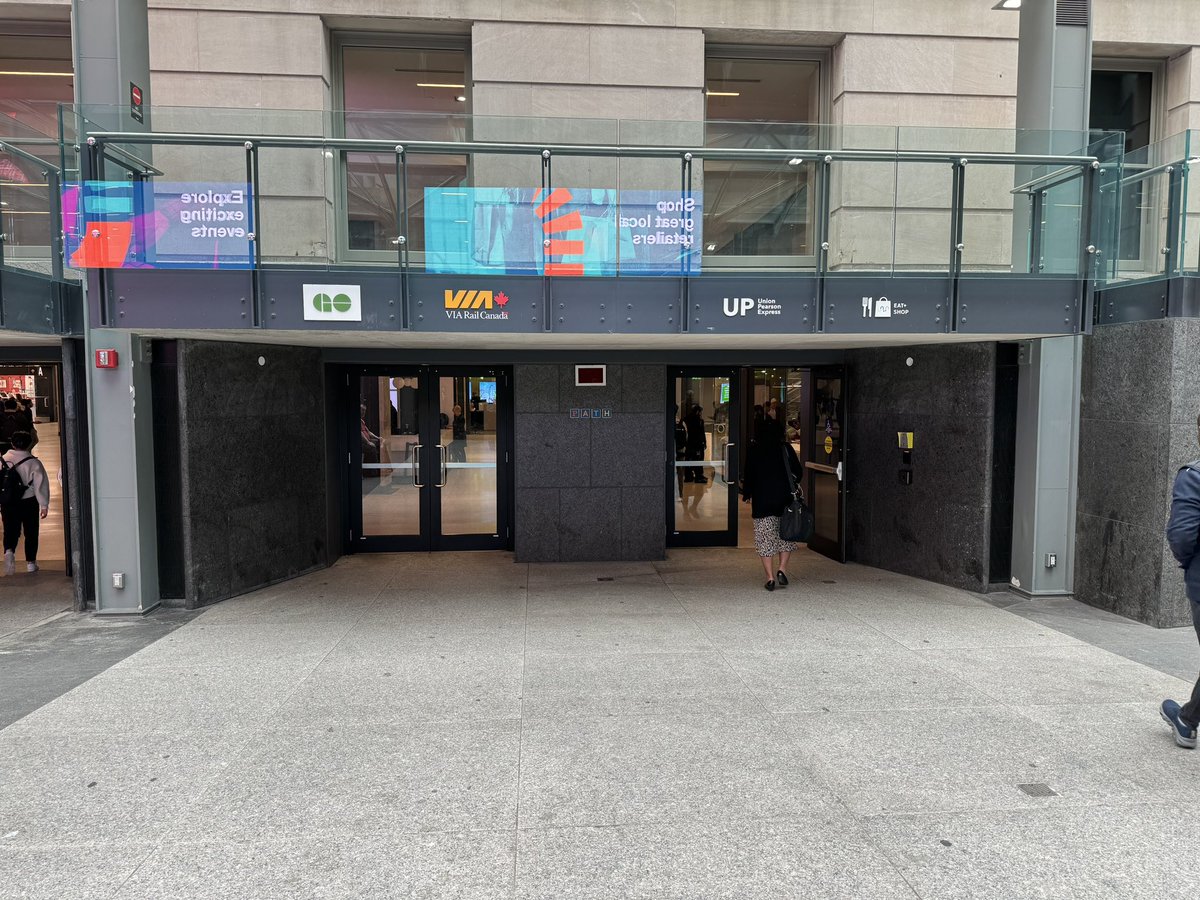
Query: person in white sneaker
pixel 25 514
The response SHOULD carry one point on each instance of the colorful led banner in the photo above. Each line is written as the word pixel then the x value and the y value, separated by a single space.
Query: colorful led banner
pixel 568 232
pixel 158 225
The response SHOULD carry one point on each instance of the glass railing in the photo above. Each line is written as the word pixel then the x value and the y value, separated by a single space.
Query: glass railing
pixel 30 179
pixel 459 194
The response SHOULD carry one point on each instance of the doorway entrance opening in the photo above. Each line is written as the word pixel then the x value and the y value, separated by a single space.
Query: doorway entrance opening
pixel 38 385
pixel 430 456
pixel 715 412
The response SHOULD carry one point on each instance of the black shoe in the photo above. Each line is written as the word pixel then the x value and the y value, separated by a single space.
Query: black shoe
pixel 781 578
pixel 770 585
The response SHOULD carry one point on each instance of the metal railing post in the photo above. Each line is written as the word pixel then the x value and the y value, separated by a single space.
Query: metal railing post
pixel 93 161
pixel 1172 254
pixel 547 293
pixel 957 204
pixel 1089 260
pixel 1037 230
pixel 56 224
pixel 824 178
pixel 685 282
pixel 255 233
pixel 402 234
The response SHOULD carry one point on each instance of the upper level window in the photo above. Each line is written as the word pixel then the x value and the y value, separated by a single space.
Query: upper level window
pixel 759 213
pixel 395 90
pixel 1123 99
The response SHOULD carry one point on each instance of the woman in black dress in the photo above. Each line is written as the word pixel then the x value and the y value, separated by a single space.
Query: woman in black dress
pixel 767 489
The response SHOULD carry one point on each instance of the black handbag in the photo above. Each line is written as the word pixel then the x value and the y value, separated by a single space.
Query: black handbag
pixel 796 521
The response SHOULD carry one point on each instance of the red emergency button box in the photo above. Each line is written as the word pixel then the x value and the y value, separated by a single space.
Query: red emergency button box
pixel 106 359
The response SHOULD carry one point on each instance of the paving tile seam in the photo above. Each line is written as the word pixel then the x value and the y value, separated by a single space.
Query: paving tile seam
pixel 680 822
pixel 1184 684
pixel 1035 810
pixel 718 651
pixel 514 878
pixel 16 632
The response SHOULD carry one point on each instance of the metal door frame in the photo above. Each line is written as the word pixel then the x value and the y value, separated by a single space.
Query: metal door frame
pixel 429 461
pixel 728 537
pixel 835 550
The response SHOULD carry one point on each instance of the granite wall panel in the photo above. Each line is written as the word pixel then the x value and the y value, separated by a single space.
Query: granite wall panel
pixel 253 460
pixel 1140 396
pixel 938 527
pixel 590 489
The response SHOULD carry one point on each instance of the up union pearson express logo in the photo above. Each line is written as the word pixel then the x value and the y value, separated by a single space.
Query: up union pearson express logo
pixel 476 305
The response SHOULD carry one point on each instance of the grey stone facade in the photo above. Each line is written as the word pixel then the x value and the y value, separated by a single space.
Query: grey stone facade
pixel 1141 394
pixel 589 489
pixel 252 452
pixel 939 526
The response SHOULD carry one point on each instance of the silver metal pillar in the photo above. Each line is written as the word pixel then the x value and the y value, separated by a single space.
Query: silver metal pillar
pixel 112 55
pixel 1053 78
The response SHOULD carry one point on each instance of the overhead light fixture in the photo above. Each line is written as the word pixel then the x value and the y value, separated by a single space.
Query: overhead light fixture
pixel 457 87
pixel 461 98
pixel 795 161
pixel 40 74
pixel 722 93
pixel 40 372
pixel 1008 4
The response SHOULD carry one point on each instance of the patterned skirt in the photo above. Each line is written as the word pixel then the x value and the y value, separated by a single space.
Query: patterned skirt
pixel 766 537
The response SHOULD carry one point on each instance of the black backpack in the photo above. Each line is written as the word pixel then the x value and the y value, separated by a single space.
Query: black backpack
pixel 12 488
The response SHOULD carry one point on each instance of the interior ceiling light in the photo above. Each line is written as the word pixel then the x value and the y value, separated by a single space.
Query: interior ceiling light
pixel 723 93
pixel 795 161
pixel 461 99
pixel 1008 4
pixel 41 74
pixel 457 87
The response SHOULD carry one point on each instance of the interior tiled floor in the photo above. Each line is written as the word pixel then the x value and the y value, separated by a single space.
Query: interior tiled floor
pixel 461 726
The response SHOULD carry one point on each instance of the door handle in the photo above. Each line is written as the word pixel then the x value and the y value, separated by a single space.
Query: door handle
pixel 416 464
pixel 442 454
pixel 725 463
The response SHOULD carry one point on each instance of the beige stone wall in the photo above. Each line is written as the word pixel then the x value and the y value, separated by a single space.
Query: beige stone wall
pixel 915 64
pixel 925 90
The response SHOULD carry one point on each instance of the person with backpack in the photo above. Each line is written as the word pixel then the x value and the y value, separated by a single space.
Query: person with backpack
pixel 24 501
pixel 12 420
pixel 1183 536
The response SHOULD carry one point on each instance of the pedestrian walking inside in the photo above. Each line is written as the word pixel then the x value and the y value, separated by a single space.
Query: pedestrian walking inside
pixel 767 488
pixel 23 514
pixel 1183 534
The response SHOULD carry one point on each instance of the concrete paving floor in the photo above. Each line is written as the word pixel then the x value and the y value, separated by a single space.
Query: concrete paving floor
pixel 462 726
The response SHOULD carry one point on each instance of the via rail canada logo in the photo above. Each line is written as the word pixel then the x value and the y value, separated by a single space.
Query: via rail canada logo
pixel 476 305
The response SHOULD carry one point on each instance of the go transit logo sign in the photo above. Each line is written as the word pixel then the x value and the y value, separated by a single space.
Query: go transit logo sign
pixel 332 303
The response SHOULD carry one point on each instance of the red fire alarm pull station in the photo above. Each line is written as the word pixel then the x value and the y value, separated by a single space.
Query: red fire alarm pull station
pixel 591 376
pixel 106 359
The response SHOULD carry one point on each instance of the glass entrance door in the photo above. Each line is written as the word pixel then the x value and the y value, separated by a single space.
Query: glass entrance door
pixel 429 452
pixel 825 461
pixel 703 489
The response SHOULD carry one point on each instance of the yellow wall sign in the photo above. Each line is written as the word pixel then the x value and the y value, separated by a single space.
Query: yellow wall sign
pixel 828 444
pixel 906 439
